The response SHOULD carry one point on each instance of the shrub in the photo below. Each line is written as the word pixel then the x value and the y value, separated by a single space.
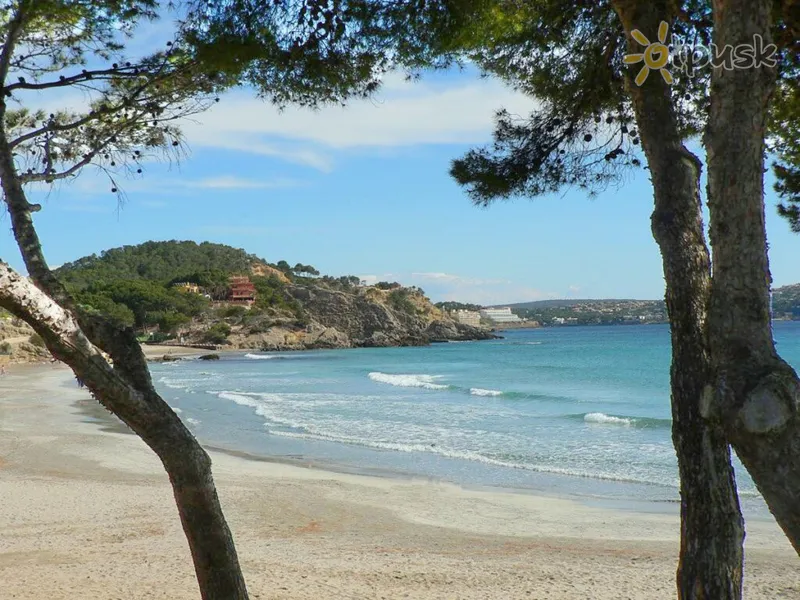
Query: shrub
pixel 398 299
pixel 5 348
pixel 233 311
pixel 217 334
pixel 36 340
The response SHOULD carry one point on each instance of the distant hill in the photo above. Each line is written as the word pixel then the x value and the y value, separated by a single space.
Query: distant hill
pixel 785 305
pixel 295 306
pixel 786 301
pixel 563 303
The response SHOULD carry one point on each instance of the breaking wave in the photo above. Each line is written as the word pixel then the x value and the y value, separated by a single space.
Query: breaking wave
pixel 408 380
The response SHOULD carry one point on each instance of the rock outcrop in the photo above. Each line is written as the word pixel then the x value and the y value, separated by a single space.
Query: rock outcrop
pixel 364 317
pixel 19 343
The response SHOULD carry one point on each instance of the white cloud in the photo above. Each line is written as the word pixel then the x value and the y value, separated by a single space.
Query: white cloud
pixel 405 114
pixel 229 182
pixel 95 182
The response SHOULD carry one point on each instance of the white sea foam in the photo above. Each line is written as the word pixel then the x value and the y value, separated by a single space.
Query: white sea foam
pixel 238 398
pixel 175 384
pixel 263 406
pixel 482 392
pixel 176 410
pixel 463 455
pixel 192 421
pixel 605 419
pixel 260 356
pixel 408 380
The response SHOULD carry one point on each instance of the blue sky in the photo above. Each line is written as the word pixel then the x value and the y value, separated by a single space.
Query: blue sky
pixel 364 190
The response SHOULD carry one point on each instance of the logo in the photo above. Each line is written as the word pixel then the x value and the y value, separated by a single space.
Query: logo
pixel 655 55
pixel 687 58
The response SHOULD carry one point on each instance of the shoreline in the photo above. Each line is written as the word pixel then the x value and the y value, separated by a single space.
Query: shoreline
pixel 89 513
pixel 94 413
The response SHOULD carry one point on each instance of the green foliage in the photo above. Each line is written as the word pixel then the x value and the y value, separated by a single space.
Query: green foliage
pixel 36 340
pixel 236 312
pixel 385 285
pixel 205 264
pixel 595 312
pixel 62 48
pixel 399 300
pixel 148 301
pixel 786 301
pixel 457 306
pixel 271 294
pixel 213 281
pixel 217 334
pixel 171 321
pixel 118 313
pixel 785 121
pixel 5 348
pixel 343 283
pixel 301 269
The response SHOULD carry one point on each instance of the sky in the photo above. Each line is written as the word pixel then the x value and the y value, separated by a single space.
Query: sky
pixel 364 190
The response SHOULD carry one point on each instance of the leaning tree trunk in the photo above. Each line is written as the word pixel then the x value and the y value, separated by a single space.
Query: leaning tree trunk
pixel 712 529
pixel 756 393
pixel 74 336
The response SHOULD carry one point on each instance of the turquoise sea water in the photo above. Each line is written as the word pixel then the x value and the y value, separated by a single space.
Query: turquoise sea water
pixel 580 411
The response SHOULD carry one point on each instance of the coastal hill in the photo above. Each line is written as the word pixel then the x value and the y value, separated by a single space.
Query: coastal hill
pixel 184 291
pixel 592 312
pixel 785 306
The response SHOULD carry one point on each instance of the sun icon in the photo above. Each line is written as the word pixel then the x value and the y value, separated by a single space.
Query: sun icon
pixel 655 55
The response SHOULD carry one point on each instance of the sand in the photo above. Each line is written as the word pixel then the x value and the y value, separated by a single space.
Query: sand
pixel 88 513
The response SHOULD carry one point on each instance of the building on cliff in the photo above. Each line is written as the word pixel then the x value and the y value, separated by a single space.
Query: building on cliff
pixel 242 290
pixel 467 317
pixel 500 315
pixel 191 288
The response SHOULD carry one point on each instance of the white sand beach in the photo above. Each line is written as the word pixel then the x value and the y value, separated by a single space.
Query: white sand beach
pixel 88 513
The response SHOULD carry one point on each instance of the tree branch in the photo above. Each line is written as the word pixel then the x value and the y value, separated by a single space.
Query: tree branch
pixel 33 177
pixel 52 128
pixel 10 43
pixel 102 74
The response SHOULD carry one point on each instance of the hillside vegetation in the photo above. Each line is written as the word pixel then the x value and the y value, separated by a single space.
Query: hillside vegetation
pixel 295 306
pixel 786 302
pixel 785 305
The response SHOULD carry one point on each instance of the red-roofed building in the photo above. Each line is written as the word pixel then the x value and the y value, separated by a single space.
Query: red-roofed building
pixel 242 289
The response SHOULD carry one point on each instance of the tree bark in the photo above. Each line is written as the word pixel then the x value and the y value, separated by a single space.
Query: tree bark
pixel 712 529
pixel 755 392
pixel 126 390
pixel 187 464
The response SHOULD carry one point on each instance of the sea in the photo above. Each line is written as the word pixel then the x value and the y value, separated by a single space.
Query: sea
pixel 578 412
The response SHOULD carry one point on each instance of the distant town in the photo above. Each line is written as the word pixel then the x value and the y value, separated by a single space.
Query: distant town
pixel 556 313
pixel 559 313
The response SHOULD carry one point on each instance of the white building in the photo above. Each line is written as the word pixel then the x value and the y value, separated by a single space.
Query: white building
pixel 500 315
pixel 468 317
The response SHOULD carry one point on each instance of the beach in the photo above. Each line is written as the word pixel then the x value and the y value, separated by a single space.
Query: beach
pixel 88 513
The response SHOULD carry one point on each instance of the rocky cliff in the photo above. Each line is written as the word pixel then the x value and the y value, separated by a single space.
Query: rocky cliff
pixel 19 343
pixel 293 307
pixel 364 317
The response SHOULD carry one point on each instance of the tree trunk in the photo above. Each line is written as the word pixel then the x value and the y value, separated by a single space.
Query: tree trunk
pixel 126 390
pixel 187 464
pixel 756 393
pixel 712 529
